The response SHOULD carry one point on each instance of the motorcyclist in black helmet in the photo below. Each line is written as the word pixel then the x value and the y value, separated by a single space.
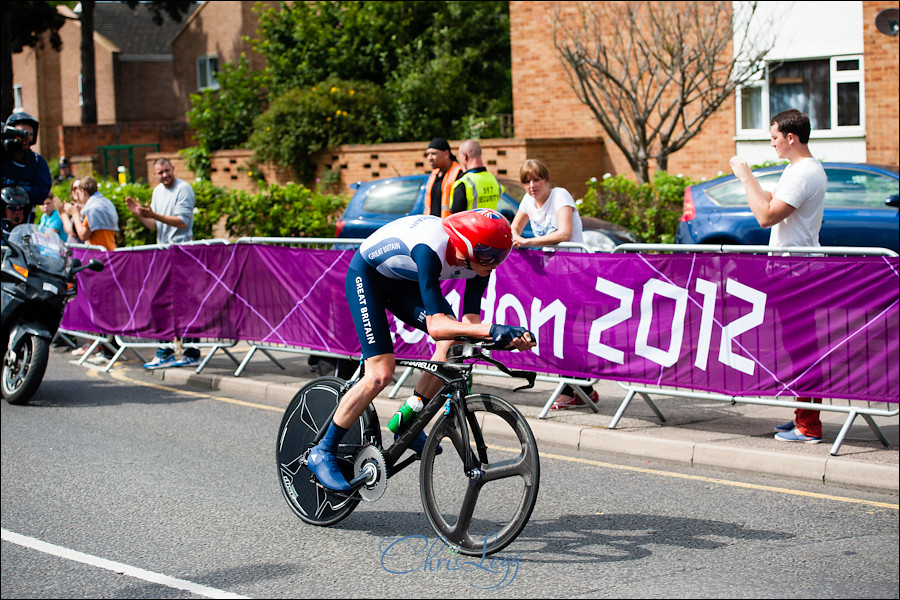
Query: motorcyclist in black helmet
pixel 15 203
pixel 21 166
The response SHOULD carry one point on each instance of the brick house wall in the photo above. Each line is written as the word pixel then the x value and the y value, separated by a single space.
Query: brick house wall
pixel 127 91
pixel 152 97
pixel 80 144
pixel 49 82
pixel 882 88
pixel 214 28
pixel 27 75
pixel 70 70
pixel 569 161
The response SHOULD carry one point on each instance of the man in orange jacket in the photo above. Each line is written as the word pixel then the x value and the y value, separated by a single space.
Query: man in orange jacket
pixel 445 171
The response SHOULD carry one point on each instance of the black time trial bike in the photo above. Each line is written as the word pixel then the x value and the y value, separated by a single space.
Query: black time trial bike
pixel 479 470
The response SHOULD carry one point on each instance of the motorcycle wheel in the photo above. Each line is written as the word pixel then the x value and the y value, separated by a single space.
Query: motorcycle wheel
pixel 23 368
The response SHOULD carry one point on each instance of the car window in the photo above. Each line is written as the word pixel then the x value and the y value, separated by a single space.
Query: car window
pixel 513 188
pixel 731 193
pixel 393 197
pixel 511 197
pixel 849 188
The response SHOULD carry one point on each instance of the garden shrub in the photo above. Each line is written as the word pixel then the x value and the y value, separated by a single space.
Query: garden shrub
pixel 222 118
pixel 289 211
pixel 650 210
pixel 210 203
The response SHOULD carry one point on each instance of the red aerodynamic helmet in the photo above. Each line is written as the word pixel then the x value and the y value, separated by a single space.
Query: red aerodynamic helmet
pixel 482 235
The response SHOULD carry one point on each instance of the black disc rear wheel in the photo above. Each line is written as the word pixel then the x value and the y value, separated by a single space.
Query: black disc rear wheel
pixel 307 412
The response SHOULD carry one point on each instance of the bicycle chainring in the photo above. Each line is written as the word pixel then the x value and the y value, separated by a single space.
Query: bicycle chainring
pixel 370 458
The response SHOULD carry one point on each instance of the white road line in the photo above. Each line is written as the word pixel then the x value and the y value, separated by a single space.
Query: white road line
pixel 117 567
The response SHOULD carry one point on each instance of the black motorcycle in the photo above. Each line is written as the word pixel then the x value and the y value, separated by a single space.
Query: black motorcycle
pixel 38 278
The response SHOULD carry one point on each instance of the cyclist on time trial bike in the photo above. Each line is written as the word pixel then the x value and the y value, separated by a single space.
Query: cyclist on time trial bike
pixel 399 268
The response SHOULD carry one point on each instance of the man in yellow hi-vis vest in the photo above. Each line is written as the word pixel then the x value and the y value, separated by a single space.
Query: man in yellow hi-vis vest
pixel 477 188
pixel 445 171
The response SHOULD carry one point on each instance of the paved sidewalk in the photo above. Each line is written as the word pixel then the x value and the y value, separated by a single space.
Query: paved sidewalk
pixel 710 433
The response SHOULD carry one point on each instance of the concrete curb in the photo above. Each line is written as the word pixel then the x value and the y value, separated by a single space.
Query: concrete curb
pixel 831 470
pixel 886 478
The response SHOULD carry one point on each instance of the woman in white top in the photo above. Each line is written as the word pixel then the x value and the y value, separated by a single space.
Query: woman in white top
pixel 552 212
pixel 554 219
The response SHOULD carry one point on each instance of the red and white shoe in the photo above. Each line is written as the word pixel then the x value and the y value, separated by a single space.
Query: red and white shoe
pixel 565 402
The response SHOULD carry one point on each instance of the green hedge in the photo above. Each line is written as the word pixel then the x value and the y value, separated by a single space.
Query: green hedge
pixel 289 211
pixel 650 210
pixel 275 211
pixel 301 122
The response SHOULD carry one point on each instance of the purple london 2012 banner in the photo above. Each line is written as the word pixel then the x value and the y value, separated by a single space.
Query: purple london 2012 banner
pixel 737 324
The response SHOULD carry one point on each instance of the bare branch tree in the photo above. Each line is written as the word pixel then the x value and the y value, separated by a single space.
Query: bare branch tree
pixel 653 72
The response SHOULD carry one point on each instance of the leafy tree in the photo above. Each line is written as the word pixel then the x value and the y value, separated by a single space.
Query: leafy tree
pixel 223 118
pixel 653 72
pixel 458 67
pixel 440 62
pixel 23 24
pixel 301 122
pixel 307 42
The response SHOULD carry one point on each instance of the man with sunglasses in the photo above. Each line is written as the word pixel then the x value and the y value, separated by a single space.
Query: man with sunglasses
pixel 399 268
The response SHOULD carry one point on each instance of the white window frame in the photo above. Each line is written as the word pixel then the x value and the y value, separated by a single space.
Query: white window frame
pixel 80 90
pixel 835 77
pixel 207 61
pixel 857 76
pixel 18 103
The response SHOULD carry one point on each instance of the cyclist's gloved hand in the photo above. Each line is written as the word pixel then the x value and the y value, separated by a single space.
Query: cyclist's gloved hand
pixel 503 335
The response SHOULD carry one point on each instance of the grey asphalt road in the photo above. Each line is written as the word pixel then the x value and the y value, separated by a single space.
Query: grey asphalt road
pixel 119 488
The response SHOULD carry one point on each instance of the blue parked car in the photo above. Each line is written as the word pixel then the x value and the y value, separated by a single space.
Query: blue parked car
pixel 861 209
pixel 376 203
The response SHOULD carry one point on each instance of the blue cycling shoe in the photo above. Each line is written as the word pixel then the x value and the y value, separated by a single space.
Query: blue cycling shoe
pixel 324 466
pixel 418 444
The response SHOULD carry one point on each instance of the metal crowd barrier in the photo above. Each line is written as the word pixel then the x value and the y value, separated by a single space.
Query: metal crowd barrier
pixel 118 344
pixel 96 340
pixel 134 344
pixel 645 392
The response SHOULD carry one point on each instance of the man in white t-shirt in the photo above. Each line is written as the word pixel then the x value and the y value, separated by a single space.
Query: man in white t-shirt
pixel 171 210
pixel 171 215
pixel 794 212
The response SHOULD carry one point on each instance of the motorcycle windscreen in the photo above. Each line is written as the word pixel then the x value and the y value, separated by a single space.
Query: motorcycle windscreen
pixel 43 246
